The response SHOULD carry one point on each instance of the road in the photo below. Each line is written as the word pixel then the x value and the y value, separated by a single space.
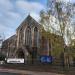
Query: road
pixel 24 72
pixel 7 73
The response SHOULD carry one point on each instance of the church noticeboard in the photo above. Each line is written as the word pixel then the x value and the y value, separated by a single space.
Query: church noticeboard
pixel 46 59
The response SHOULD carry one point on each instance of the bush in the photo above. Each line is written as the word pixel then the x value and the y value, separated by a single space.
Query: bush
pixel 2 57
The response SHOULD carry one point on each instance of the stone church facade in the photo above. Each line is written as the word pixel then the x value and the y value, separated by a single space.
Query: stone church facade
pixel 28 39
pixel 28 42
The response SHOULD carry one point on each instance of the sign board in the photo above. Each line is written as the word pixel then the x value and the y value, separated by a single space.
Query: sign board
pixel 46 59
pixel 15 60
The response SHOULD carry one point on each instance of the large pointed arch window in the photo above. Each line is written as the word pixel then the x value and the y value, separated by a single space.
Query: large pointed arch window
pixel 35 36
pixel 28 37
pixel 21 36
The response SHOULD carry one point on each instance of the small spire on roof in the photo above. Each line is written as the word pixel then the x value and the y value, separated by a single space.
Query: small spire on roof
pixel 29 14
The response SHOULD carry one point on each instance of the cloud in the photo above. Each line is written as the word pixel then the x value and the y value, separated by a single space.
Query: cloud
pixel 32 8
pixel 7 10
pixel 8 17
pixel 6 31
pixel 13 12
pixel 13 15
pixel 2 28
pixel 35 16
pixel 29 6
pixel 6 5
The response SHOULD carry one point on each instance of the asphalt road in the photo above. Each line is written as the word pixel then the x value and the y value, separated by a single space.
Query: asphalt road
pixel 24 72
pixel 6 73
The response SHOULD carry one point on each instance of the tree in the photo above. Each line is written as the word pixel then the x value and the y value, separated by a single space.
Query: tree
pixel 2 57
pixel 49 20
pixel 63 14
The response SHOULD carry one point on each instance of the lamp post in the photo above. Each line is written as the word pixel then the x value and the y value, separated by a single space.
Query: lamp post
pixel 8 49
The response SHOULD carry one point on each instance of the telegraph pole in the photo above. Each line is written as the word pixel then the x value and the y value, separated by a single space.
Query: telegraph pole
pixel 1 40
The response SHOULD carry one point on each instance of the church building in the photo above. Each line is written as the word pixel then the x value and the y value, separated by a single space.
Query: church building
pixel 30 43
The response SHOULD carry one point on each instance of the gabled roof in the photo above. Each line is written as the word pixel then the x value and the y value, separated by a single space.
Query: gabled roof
pixel 28 21
pixel 10 38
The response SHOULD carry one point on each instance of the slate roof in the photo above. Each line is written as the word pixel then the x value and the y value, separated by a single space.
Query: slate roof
pixel 28 21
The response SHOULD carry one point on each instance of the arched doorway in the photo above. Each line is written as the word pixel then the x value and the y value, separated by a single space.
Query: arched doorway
pixel 20 54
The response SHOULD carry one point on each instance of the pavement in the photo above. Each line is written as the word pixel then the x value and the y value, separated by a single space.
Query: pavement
pixel 24 72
